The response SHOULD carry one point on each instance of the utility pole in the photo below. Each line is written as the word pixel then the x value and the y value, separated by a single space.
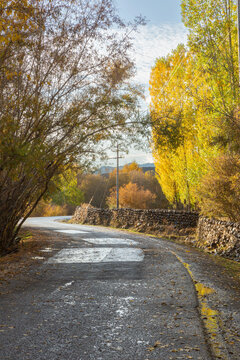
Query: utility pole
pixel 117 175
pixel 238 12
pixel 117 178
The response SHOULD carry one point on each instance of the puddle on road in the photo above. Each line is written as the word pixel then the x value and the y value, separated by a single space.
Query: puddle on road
pixel 72 231
pixel 110 241
pixel 97 255
pixel 47 250
pixel 63 287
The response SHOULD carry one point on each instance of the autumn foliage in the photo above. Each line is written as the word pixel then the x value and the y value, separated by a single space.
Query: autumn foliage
pixel 132 196
pixel 64 87
pixel 219 190
pixel 45 208
pixel 194 112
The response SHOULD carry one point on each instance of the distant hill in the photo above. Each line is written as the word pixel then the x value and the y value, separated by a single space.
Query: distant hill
pixel 147 167
pixel 150 165
pixel 107 169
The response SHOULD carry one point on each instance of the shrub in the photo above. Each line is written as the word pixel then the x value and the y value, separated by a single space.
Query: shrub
pixel 48 209
pixel 220 188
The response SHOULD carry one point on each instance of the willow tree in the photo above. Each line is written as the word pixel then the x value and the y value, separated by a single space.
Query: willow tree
pixel 64 88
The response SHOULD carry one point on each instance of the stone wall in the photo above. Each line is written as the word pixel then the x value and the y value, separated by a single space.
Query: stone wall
pixel 149 221
pixel 214 236
pixel 220 237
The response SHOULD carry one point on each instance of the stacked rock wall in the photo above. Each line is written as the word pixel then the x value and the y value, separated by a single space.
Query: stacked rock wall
pixel 220 237
pixel 214 236
pixel 142 220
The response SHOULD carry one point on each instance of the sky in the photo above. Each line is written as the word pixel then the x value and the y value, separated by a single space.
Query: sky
pixel 156 11
pixel 162 33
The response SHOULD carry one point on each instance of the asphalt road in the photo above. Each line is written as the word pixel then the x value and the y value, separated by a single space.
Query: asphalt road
pixel 107 294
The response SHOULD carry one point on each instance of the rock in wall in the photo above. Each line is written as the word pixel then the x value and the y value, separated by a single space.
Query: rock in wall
pixel 220 237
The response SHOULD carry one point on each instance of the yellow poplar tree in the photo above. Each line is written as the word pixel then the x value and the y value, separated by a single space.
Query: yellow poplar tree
pixel 181 131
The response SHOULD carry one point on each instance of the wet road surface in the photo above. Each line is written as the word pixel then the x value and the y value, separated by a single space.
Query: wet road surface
pixel 108 294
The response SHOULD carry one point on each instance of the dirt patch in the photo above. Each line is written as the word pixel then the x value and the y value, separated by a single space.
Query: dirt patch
pixel 30 251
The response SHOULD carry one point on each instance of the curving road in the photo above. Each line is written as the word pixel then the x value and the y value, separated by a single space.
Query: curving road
pixel 105 294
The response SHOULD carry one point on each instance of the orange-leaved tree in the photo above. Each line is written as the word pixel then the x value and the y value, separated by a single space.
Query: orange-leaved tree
pixel 132 196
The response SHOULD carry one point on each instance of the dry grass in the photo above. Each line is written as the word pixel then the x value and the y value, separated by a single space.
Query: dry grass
pixel 47 209
pixel 21 259
pixel 232 267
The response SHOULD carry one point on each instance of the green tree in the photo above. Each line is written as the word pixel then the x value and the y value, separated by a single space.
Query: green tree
pixel 67 190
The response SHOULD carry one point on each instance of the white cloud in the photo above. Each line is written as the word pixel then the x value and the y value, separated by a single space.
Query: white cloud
pixel 138 156
pixel 152 42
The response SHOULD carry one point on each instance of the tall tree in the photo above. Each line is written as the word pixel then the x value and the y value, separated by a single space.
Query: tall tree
pixel 175 126
pixel 194 100
pixel 213 41
pixel 64 88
